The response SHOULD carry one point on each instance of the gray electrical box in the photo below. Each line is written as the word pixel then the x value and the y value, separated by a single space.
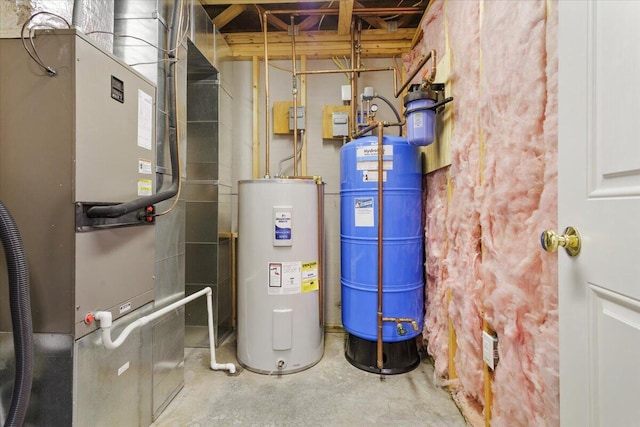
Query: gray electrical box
pixel 340 123
pixel 83 136
pixel 301 118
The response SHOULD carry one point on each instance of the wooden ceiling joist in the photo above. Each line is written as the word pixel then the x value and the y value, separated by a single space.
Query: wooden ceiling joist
pixel 228 15
pixel 223 2
pixel 374 21
pixel 344 17
pixel 273 20
pixel 319 44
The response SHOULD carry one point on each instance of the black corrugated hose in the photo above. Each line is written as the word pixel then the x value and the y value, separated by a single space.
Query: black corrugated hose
pixel 20 317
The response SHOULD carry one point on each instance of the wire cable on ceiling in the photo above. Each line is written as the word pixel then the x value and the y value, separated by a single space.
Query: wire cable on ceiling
pixel 34 53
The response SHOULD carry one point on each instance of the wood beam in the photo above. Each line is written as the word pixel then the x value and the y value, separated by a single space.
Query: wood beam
pixel 228 15
pixel 344 17
pixel 273 20
pixel 374 21
pixel 223 2
pixel 319 44
pixel 311 21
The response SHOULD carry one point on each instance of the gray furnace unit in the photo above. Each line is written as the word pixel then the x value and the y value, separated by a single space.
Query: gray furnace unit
pixel 82 137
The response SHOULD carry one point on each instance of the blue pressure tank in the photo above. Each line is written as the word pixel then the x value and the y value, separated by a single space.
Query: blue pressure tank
pixel 403 251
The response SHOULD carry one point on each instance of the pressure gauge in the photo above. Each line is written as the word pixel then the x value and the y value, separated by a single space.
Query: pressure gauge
pixel 374 108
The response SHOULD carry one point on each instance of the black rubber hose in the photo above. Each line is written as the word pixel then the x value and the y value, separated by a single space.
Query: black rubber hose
pixel 432 107
pixel 395 111
pixel 115 211
pixel 20 317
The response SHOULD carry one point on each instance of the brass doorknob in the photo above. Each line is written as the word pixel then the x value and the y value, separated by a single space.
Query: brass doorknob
pixel 570 241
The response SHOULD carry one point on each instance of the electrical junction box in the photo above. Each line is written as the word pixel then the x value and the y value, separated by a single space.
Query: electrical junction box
pixel 490 349
pixel 345 91
pixel 340 123
pixel 300 124
pixel 327 120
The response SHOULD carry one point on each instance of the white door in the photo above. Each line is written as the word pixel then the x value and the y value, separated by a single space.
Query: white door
pixel 599 194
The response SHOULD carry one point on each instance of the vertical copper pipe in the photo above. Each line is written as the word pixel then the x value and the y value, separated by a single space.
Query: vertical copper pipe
pixel 320 185
pixel 295 97
pixel 352 81
pixel 266 95
pixel 380 249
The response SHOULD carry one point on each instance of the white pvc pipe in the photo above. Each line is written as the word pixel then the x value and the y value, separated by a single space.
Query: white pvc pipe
pixel 106 320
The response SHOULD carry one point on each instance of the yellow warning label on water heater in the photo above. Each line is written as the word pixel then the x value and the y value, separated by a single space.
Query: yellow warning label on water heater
pixel 310 280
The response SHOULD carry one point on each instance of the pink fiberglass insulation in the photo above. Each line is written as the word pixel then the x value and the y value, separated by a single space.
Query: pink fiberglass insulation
pixel 463 226
pixel 504 190
pixel 520 288
pixel 436 329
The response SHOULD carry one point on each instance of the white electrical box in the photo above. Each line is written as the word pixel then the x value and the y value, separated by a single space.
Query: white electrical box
pixel 346 92
pixel 489 349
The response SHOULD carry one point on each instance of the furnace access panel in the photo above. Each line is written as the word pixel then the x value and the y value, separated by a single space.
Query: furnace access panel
pixel 83 136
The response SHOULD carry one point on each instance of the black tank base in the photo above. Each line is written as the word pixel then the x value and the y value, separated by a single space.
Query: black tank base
pixel 397 357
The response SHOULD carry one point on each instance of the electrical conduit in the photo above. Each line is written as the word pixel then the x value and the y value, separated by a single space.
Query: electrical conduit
pixel 106 319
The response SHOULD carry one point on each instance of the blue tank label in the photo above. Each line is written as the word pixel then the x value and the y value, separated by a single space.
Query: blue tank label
pixel 363 213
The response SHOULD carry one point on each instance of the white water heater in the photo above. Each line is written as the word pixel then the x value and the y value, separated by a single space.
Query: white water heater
pixel 280 326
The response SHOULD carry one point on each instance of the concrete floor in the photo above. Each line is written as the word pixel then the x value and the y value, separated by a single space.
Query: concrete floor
pixel 331 393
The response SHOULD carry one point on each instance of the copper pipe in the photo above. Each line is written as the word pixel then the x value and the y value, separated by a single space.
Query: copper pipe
pixel 359 44
pixel 320 185
pixel 295 97
pixel 414 323
pixel 434 68
pixel 367 129
pixel 348 70
pixel 266 95
pixel 316 178
pixel 366 11
pixel 380 242
pixel 352 80
pixel 415 72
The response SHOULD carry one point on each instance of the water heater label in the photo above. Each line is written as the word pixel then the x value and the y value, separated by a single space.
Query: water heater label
pixel 285 278
pixel 364 212
pixel 310 276
pixel 282 226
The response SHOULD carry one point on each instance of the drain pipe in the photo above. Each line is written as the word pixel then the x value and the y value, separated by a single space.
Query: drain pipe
pixel 380 251
pixel 106 318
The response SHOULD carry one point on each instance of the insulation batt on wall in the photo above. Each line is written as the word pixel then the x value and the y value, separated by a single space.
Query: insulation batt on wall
pixel 502 183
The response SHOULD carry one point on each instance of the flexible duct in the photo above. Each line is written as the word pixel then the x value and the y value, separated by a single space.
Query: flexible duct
pixel 115 211
pixel 20 317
